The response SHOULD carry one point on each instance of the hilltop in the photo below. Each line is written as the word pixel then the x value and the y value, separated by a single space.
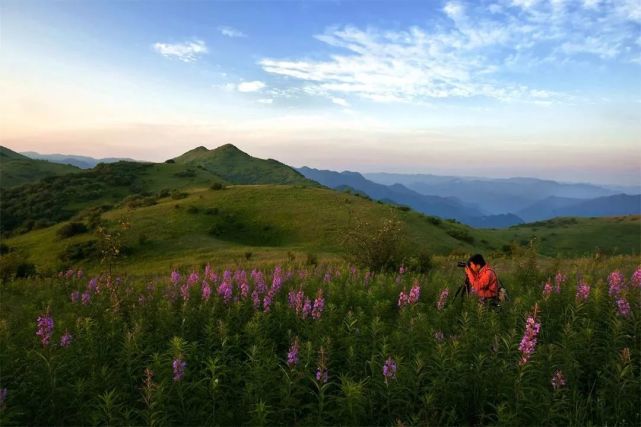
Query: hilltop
pixel 16 169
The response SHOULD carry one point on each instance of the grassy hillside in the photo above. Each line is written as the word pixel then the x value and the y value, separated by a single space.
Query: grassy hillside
pixel 221 225
pixel 579 236
pixel 16 169
pixel 55 199
pixel 235 166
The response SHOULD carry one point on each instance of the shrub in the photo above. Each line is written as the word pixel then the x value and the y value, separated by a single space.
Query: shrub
pixel 312 259
pixel 217 186
pixel 80 251
pixel 378 247
pixel 192 209
pixel 177 195
pixel 71 229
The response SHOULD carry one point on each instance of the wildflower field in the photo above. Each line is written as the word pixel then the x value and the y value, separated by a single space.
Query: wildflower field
pixel 324 345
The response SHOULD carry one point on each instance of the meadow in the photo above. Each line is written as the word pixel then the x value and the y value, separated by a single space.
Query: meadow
pixel 296 344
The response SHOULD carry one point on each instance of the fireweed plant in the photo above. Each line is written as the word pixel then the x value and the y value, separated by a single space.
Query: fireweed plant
pixel 321 345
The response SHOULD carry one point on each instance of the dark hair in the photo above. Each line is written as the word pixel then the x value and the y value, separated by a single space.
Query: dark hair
pixel 477 259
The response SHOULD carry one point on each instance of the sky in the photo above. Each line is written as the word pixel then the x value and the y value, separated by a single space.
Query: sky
pixel 500 88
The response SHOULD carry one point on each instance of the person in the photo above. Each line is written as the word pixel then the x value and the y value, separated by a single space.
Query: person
pixel 482 279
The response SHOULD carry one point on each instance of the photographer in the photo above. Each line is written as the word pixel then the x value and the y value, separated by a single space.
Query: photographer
pixel 482 278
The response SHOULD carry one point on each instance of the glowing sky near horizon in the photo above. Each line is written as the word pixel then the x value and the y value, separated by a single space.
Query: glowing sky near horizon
pixel 543 88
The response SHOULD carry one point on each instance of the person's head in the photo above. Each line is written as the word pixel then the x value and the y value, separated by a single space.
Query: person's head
pixel 476 262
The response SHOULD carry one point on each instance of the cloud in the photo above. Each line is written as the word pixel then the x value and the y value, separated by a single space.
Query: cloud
pixel 231 32
pixel 253 86
pixel 187 51
pixel 471 50
pixel 340 101
pixel 265 101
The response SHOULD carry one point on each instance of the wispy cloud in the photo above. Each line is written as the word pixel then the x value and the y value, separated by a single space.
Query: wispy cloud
pixel 188 51
pixel 253 86
pixel 231 32
pixel 470 50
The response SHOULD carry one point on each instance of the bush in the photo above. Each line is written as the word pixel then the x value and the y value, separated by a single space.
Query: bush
pixel 312 259
pixel 217 186
pixel 71 229
pixel 378 247
pixel 12 265
pixel 461 234
pixel 192 209
pixel 80 251
pixel 420 263
pixel 177 195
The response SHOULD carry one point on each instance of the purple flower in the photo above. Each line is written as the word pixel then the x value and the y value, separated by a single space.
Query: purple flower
pixel 402 270
pixel 319 305
pixel 69 274
pixel 307 308
pixel 292 355
pixel 623 307
pixel 321 375
pixel 244 289
pixel 636 278
pixel 75 296
pixel 415 294
pixel 175 277
pixel 193 278
pixel 256 299
pixel 259 282
pixel 442 299
pixel 402 299
pixel 80 274
pixel 92 286
pixel 439 337
pixel 558 380
pixel 65 340
pixel 86 298
pixel 389 369
pixel 267 301
pixel 209 273
pixel 582 292
pixel 328 277
pixel 206 291
pixel 45 328
pixel 225 290
pixel 615 282
pixel 277 279
pixel 179 368
pixel 547 290
pixel 528 342
pixel 559 279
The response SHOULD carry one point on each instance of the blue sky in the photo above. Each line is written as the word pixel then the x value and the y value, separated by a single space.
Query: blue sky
pixel 546 88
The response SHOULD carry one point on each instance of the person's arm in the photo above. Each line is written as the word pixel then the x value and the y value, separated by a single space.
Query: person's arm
pixel 471 276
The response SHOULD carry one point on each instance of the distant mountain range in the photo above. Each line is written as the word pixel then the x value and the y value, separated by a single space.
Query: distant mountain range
pixel 479 202
pixel 444 207
pixel 531 199
pixel 82 162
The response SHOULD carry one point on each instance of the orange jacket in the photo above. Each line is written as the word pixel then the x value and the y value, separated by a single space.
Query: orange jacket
pixel 484 283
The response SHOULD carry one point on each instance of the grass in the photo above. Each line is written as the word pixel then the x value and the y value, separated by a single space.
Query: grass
pixel 455 366
pixel 267 220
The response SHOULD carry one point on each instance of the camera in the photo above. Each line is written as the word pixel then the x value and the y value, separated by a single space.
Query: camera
pixel 461 264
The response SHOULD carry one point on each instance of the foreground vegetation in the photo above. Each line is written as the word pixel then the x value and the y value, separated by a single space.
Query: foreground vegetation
pixel 330 344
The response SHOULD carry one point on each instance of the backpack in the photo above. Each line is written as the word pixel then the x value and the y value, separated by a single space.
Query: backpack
pixel 501 294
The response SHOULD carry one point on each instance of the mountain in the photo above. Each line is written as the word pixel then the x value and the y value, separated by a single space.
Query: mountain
pixel 235 166
pixel 494 196
pixel 619 204
pixel 55 199
pixel 82 162
pixel 444 207
pixel 16 169
pixel 269 223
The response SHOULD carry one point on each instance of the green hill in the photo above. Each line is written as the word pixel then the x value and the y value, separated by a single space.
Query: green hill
pixel 235 166
pixel 58 198
pixel 16 169
pixel 571 236
pixel 270 221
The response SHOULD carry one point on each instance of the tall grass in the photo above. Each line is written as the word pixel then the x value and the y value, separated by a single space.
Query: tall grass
pixel 456 364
